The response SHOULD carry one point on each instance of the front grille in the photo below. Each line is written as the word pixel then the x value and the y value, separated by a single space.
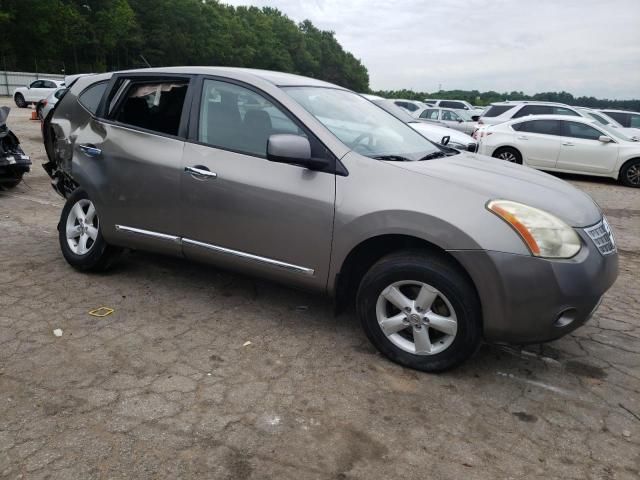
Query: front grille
pixel 472 147
pixel 602 237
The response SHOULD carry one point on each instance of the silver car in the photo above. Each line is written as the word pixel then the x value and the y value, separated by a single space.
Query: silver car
pixel 309 184
pixel 459 120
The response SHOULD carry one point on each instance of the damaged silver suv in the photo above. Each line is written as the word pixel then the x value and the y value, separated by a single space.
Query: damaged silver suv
pixel 310 184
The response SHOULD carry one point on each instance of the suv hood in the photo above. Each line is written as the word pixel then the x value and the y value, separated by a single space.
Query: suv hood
pixel 497 179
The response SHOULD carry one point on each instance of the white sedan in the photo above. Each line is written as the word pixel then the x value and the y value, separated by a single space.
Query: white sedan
pixel 564 144
pixel 35 91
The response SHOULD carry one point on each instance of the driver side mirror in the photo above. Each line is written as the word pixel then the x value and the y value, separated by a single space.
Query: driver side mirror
pixel 294 150
pixel 605 139
pixel 475 118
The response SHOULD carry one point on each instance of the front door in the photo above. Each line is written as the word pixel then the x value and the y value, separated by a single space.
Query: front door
pixel 582 151
pixel 133 160
pixel 242 211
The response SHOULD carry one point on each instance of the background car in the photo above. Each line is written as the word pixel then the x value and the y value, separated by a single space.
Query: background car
pixel 435 133
pixel 503 111
pixel 625 118
pixel 409 105
pixel 563 144
pixel 605 119
pixel 43 107
pixel 454 104
pixel 457 119
pixel 35 91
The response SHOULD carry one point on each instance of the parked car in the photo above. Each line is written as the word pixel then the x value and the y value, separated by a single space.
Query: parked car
pixel 310 184
pixel 409 105
pixel 563 144
pixel 456 119
pixel 35 91
pixel 455 105
pixel 625 118
pixel 43 107
pixel 14 163
pixel 605 119
pixel 503 111
pixel 436 133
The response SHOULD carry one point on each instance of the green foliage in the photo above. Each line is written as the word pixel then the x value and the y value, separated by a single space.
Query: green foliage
pixel 474 97
pixel 78 36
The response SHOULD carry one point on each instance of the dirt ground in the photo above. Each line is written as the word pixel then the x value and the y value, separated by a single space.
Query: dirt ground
pixel 166 388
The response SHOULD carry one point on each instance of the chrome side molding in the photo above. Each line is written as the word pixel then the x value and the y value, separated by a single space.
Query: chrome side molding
pixel 148 233
pixel 247 256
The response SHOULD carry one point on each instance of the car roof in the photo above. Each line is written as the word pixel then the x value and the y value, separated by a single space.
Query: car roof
pixel 617 111
pixel 529 102
pixel 278 79
pixel 552 117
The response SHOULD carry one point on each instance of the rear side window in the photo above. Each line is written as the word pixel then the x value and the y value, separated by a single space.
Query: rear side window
pixel 533 110
pixel 90 97
pixel 580 130
pixel 543 127
pixel 450 104
pixel 431 114
pixel 155 106
pixel 623 119
pixel 495 110
pixel 48 84
pixel 564 111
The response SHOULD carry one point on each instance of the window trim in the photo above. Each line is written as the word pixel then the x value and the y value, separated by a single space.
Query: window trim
pixel 335 167
pixel 87 88
pixel 145 77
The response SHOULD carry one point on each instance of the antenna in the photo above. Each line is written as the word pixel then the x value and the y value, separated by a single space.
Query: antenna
pixel 145 60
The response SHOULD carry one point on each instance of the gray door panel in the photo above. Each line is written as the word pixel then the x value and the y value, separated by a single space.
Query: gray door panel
pixel 258 216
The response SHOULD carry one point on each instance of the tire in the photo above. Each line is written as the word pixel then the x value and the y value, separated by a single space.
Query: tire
pixel 20 101
pixel 75 234
pixel 630 173
pixel 12 182
pixel 449 294
pixel 508 154
pixel 39 108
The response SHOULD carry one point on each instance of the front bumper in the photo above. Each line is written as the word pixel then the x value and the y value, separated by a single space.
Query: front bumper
pixel 527 299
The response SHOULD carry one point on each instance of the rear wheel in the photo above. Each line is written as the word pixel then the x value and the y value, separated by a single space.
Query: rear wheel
pixel 420 311
pixel 81 240
pixel 509 154
pixel 20 101
pixel 630 173
pixel 12 182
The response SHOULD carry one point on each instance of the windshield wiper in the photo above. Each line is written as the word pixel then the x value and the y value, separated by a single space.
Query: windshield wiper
pixel 395 158
pixel 438 154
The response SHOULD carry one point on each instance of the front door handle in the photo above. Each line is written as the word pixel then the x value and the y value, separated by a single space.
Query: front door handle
pixel 90 150
pixel 200 172
pixel 568 144
pixel 522 137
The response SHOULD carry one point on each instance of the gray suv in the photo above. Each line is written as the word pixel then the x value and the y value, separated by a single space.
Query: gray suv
pixel 310 184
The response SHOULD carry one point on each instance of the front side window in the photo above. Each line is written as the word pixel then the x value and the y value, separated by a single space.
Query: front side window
pixel 362 126
pixel 580 130
pixel 90 98
pixel 543 127
pixel 48 84
pixel 155 106
pixel 450 116
pixel 238 119
pixel 533 110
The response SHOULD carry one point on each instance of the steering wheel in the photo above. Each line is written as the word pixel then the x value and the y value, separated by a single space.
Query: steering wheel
pixel 358 141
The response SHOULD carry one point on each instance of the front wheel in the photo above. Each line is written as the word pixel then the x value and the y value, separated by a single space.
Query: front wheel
pixel 509 154
pixel 12 182
pixel 420 310
pixel 630 173
pixel 20 101
pixel 81 240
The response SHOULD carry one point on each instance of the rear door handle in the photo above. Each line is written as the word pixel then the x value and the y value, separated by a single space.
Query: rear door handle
pixel 522 137
pixel 568 144
pixel 90 150
pixel 200 172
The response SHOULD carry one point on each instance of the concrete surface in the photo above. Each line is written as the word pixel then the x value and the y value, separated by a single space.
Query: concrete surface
pixel 164 388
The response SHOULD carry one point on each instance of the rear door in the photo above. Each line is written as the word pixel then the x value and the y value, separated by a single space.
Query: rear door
pixel 582 151
pixel 539 142
pixel 131 156
pixel 243 211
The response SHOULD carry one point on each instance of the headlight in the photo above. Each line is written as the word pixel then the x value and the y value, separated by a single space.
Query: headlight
pixel 544 234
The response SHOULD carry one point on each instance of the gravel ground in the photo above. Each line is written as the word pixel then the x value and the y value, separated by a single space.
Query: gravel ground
pixel 166 388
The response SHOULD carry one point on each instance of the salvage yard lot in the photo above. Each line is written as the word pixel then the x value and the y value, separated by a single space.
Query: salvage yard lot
pixel 169 387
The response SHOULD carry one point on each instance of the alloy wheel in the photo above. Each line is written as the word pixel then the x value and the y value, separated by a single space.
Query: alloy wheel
pixel 82 227
pixel 416 317
pixel 508 156
pixel 633 174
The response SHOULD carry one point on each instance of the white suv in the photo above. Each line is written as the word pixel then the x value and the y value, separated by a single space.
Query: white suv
pixel 503 111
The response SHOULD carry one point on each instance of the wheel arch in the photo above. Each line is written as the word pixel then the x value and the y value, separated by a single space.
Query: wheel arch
pixel 625 163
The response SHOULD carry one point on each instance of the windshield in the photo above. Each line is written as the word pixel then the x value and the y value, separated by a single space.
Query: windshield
pixel 361 125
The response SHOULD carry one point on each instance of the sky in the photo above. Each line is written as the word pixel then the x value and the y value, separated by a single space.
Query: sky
pixel 585 47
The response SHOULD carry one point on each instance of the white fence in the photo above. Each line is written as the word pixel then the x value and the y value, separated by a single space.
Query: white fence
pixel 9 81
